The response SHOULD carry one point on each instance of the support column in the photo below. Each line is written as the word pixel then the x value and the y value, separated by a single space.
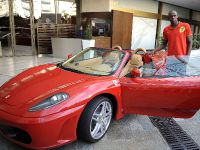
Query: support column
pixel 159 20
pixel 32 27
pixel 190 15
pixel 78 15
pixel 56 4
pixel 12 26
pixel 190 20
pixel 56 10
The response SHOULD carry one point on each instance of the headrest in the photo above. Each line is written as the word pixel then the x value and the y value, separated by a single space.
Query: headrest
pixel 117 47
pixel 112 55
pixel 143 50
pixel 136 61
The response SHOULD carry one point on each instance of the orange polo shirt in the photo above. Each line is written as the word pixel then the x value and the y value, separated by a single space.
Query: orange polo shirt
pixel 176 37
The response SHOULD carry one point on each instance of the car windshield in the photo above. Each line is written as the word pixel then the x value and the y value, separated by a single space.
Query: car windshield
pixel 95 61
pixel 173 66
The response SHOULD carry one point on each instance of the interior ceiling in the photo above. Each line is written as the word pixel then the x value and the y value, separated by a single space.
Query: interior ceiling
pixel 191 4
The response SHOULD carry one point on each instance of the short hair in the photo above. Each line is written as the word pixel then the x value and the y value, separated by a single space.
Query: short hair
pixel 171 11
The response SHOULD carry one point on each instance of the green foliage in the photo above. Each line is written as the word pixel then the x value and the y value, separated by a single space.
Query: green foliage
pixel 196 41
pixel 88 32
pixel 160 40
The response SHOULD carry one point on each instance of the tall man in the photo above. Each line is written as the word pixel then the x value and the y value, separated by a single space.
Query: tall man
pixel 178 35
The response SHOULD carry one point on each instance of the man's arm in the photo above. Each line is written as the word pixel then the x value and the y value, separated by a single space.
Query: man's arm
pixel 189 44
pixel 163 46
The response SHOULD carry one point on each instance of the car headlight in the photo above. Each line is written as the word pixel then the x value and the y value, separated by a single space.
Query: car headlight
pixel 50 101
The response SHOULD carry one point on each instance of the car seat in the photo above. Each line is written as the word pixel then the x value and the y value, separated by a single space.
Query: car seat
pixel 111 58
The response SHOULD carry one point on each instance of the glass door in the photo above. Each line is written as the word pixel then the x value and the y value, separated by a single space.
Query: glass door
pixel 5 34
pixel 23 28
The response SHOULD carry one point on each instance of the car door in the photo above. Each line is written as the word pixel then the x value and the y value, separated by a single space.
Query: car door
pixel 167 97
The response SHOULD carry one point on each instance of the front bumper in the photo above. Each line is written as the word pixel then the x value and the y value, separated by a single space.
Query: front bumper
pixel 41 133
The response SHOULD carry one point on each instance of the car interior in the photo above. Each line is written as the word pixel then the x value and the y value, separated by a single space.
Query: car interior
pixel 135 61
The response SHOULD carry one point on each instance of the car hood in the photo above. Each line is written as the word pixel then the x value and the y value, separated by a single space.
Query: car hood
pixel 38 82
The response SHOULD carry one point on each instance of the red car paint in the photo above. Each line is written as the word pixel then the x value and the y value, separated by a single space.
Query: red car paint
pixel 57 125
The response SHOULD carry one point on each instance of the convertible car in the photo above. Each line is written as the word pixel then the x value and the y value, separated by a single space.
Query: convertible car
pixel 54 104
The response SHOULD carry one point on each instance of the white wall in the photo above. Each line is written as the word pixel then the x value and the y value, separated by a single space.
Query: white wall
pixel 143 5
pixel 182 12
pixel 143 33
pixel 96 6
pixel 64 46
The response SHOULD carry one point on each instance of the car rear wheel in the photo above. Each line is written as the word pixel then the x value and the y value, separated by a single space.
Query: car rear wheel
pixel 95 119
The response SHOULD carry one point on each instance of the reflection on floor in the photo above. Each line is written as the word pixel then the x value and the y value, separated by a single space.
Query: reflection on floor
pixel 20 50
pixel 6 51
pixel 10 66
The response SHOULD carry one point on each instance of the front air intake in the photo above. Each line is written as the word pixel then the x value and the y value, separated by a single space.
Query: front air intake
pixel 16 134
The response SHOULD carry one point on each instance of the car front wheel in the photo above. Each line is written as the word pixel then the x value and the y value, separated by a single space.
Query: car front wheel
pixel 95 119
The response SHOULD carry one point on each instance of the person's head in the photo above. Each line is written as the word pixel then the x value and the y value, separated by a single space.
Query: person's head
pixel 173 17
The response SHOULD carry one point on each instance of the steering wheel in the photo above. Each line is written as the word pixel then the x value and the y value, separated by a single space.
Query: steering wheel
pixel 117 47
pixel 108 63
pixel 140 51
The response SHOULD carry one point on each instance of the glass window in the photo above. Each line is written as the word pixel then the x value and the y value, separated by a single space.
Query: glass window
pixel 95 61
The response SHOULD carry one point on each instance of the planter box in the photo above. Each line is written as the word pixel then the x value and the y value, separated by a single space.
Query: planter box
pixel 62 47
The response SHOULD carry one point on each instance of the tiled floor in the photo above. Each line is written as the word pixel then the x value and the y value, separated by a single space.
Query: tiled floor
pixel 133 132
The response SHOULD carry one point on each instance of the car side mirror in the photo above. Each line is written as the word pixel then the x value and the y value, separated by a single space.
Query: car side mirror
pixel 135 73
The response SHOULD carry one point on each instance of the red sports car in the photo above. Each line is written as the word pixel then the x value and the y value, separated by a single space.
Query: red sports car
pixel 53 104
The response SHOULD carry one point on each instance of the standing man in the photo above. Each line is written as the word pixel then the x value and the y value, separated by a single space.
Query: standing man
pixel 178 35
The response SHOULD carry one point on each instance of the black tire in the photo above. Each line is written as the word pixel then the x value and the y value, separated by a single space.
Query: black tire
pixel 86 120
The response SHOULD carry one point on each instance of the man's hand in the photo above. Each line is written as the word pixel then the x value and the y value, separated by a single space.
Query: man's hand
pixel 162 47
pixel 155 51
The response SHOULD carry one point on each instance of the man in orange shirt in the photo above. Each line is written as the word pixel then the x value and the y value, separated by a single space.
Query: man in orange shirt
pixel 178 35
